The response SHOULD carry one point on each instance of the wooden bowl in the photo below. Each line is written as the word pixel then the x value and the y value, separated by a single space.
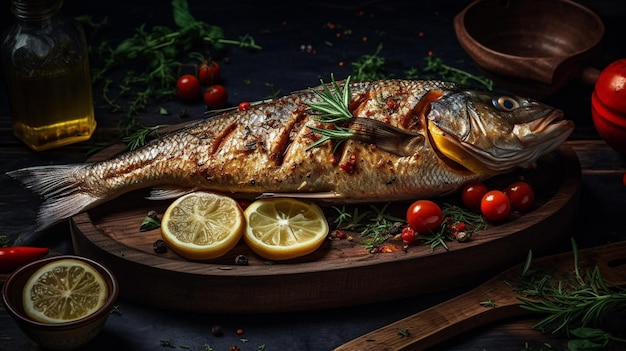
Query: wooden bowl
pixel 530 47
pixel 58 336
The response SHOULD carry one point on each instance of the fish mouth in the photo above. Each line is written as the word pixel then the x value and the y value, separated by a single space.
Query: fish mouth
pixel 528 141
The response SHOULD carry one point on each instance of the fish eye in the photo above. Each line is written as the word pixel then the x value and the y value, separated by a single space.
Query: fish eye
pixel 505 103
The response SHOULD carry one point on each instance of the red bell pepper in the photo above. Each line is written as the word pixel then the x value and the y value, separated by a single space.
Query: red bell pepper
pixel 13 257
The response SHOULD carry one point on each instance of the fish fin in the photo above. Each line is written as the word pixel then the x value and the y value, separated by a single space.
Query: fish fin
pixel 385 136
pixel 313 196
pixel 56 185
pixel 165 193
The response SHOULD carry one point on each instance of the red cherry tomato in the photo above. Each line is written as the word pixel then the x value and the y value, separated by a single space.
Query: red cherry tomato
pixel 408 236
pixel 243 106
pixel 209 73
pixel 215 96
pixel 472 194
pixel 521 195
pixel 495 206
pixel 188 87
pixel 424 216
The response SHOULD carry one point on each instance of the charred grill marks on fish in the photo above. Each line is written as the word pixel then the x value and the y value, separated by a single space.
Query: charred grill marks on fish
pixel 410 139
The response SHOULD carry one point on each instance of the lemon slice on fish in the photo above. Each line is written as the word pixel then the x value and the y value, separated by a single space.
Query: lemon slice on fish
pixel 284 228
pixel 202 226
pixel 63 291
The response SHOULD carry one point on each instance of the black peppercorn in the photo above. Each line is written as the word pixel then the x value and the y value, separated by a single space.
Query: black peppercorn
pixel 241 260
pixel 159 246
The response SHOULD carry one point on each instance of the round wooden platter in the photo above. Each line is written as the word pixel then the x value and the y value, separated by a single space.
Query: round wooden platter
pixel 339 273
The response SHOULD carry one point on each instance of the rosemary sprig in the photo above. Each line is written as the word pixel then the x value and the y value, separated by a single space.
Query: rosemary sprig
pixel 438 238
pixel 377 228
pixel 573 304
pixel 334 105
pixel 333 108
pixel 138 139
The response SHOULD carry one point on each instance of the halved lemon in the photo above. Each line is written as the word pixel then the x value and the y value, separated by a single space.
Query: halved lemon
pixel 202 225
pixel 284 228
pixel 63 291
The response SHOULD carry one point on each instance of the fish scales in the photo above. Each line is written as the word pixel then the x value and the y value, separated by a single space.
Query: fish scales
pixel 267 151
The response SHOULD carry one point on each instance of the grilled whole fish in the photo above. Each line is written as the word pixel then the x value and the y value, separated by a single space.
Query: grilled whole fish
pixel 410 139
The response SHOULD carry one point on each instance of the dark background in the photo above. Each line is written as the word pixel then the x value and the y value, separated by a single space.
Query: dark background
pixel 281 29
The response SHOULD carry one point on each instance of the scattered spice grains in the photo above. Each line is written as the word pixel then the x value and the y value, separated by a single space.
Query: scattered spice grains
pixel 216 330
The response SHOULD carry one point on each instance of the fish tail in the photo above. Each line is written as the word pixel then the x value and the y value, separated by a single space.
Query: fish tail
pixel 58 187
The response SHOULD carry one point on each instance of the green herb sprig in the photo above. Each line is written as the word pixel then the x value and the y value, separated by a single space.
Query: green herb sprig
pixel 138 139
pixel 574 304
pixel 372 224
pixel 333 108
pixel 158 51
pixel 375 224
pixel 369 67
pixel 436 66
pixel 454 214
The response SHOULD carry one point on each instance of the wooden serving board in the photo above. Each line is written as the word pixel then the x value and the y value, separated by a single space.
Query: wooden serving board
pixel 340 273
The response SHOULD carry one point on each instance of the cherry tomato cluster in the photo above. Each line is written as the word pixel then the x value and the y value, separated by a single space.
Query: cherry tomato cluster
pixel 189 86
pixel 496 205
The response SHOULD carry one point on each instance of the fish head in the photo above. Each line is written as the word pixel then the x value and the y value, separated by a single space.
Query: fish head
pixel 491 133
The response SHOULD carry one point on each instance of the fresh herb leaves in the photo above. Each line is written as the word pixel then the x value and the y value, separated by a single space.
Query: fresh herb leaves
pixel 157 51
pixel 369 67
pixel 377 225
pixel 372 67
pixel 574 304
pixel 435 65
pixel 332 108
pixel 138 138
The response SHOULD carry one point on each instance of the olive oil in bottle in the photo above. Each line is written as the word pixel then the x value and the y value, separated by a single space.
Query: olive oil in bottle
pixel 44 56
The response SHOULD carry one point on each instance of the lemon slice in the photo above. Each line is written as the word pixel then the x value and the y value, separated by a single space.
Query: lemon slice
pixel 202 226
pixel 284 228
pixel 63 291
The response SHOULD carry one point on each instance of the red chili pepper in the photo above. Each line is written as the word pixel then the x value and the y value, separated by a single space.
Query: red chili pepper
pixel 13 257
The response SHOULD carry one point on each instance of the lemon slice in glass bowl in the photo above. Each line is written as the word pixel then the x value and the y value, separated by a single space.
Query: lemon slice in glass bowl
pixel 284 228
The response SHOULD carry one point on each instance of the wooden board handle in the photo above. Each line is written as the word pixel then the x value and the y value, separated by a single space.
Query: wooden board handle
pixel 493 300
pixel 487 303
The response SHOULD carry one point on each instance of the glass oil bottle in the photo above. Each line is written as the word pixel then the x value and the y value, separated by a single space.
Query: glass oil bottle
pixel 46 66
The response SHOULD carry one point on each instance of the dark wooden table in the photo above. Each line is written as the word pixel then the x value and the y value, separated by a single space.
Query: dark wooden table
pixel 281 64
